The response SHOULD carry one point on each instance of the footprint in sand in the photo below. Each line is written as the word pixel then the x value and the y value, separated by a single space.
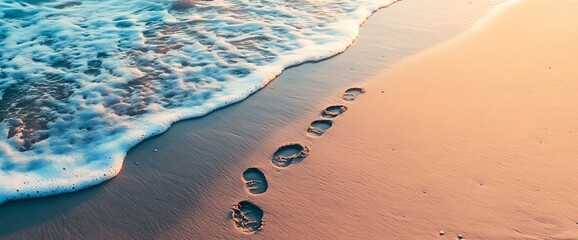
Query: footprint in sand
pixel 333 111
pixel 255 181
pixel 351 94
pixel 319 127
pixel 287 154
pixel 247 217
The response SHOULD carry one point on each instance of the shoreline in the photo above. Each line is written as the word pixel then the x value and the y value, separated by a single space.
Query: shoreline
pixel 48 176
pixel 140 187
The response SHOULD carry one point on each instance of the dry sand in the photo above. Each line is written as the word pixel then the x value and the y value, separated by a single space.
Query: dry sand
pixel 477 137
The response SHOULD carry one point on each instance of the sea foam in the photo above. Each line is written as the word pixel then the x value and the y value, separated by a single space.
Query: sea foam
pixel 81 82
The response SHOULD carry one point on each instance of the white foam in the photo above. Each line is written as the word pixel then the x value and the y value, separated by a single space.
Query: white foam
pixel 83 82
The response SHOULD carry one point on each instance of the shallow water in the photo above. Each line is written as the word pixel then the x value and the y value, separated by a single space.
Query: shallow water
pixel 81 82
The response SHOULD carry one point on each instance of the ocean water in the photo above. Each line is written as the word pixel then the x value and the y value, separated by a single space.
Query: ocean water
pixel 81 82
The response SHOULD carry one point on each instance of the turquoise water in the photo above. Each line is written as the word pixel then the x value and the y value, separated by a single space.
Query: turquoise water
pixel 81 82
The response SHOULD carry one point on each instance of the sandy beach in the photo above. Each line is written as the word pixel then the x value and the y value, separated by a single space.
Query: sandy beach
pixel 472 138
pixel 475 137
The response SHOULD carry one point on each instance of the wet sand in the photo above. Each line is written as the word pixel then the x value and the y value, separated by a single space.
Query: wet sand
pixel 186 189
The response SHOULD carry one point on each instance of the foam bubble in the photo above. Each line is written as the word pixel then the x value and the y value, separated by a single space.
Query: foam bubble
pixel 81 82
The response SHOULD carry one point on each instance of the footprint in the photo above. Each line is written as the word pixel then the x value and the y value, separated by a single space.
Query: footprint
pixel 352 93
pixel 333 111
pixel 319 127
pixel 287 154
pixel 255 181
pixel 247 217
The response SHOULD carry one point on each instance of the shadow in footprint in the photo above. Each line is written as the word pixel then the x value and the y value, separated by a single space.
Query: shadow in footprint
pixel 255 181
pixel 319 127
pixel 333 111
pixel 247 217
pixel 287 154
pixel 352 93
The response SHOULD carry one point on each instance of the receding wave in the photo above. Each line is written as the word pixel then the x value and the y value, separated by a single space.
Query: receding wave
pixel 81 82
